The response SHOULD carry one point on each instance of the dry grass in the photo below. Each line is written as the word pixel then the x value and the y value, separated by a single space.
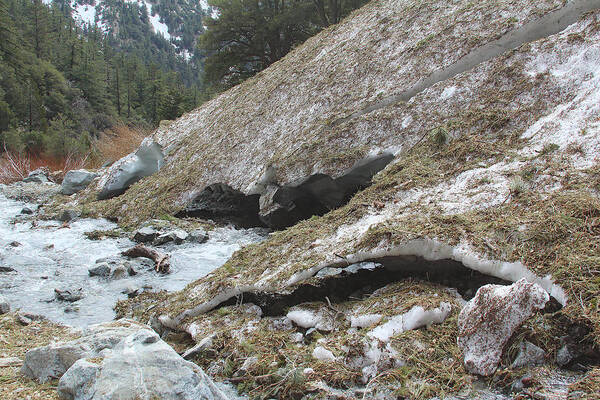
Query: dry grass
pixel 16 166
pixel 279 369
pixel 16 340
pixel 587 388
pixel 117 142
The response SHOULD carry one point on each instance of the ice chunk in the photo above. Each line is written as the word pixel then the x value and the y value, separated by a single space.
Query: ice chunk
pixel 364 321
pixel 413 319
pixel 321 353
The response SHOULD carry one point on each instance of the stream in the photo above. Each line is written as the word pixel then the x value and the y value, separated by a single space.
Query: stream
pixel 48 256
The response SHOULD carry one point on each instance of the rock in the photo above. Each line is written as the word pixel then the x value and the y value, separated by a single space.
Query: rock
pixel 489 319
pixel 130 269
pixel 10 362
pixel 529 356
pixel 14 243
pixel 283 206
pixel 70 295
pixel 146 160
pixel 6 269
pixel 52 361
pixel 221 202
pixel 26 211
pixel 145 235
pixel 564 356
pixel 131 291
pixel 31 192
pixel 246 366
pixel 101 269
pixel 198 236
pixel 26 318
pixel 56 176
pixel 4 306
pixel 39 175
pixel 76 180
pixel 69 215
pixel 176 236
pixel 119 273
pixel 155 371
pixel 200 347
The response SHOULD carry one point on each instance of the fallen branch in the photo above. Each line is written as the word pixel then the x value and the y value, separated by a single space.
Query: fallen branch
pixel 161 260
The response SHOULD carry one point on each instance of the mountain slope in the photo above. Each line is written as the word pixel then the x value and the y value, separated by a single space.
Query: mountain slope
pixel 491 110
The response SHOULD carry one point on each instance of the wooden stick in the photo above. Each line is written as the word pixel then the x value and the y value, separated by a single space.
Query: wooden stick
pixel 161 260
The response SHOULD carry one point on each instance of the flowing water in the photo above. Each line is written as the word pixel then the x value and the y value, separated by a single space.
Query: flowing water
pixel 49 256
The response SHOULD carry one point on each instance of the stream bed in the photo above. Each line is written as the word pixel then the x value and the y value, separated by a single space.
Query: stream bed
pixel 48 256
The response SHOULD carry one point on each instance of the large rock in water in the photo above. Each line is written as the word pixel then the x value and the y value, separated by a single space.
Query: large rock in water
pixel 140 367
pixel 52 361
pixel 489 319
pixel 146 160
pixel 76 180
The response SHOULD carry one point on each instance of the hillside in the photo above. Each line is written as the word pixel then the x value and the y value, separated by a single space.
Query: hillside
pixel 491 113
pixel 62 85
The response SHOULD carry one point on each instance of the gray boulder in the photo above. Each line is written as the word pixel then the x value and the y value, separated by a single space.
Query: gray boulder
pixel 52 361
pixel 119 272
pixel 26 318
pixel 564 356
pixel 69 215
pixel 177 236
pixel 4 306
pixel 146 160
pixel 145 235
pixel 70 295
pixel 76 180
pixel 489 319
pixel 39 175
pixel 198 236
pixel 529 356
pixel 141 366
pixel 101 269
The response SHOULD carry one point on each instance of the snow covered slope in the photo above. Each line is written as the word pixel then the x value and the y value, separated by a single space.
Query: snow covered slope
pixel 491 111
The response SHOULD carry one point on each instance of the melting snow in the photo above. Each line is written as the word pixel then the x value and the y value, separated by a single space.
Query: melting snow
pixel 304 318
pixel 364 321
pixel 413 319
pixel 321 353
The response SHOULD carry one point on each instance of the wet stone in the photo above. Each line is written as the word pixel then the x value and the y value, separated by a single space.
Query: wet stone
pixel 198 236
pixel 119 273
pixel 101 269
pixel 69 215
pixel 145 235
pixel 176 236
pixel 4 306
pixel 70 295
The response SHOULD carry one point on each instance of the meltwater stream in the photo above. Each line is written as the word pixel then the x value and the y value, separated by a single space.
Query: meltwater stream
pixel 48 256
